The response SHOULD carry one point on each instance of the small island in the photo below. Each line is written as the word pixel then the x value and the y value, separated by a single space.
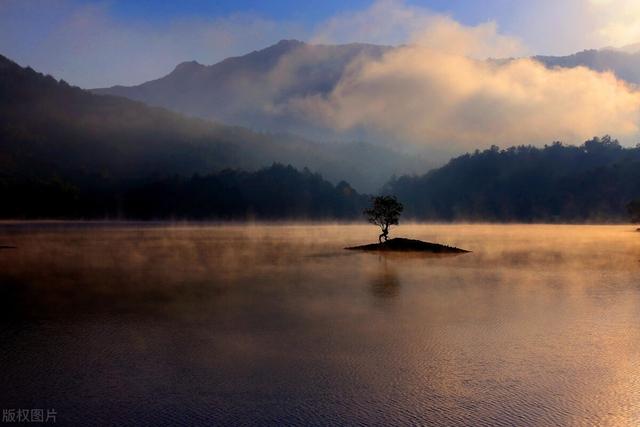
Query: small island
pixel 400 244
pixel 385 211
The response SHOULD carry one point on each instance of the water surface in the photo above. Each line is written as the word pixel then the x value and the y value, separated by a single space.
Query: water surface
pixel 201 325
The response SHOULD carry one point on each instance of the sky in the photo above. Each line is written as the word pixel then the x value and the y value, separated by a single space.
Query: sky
pixel 103 43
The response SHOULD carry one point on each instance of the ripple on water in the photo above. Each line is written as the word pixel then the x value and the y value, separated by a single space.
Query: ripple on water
pixel 260 325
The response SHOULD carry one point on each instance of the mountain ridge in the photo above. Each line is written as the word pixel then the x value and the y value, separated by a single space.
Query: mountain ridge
pixel 263 88
pixel 242 90
pixel 45 120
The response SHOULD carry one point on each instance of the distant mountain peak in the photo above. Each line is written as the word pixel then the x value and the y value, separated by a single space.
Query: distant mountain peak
pixel 283 46
pixel 290 42
pixel 188 66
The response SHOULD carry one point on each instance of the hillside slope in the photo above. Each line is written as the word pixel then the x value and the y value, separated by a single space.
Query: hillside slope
pixel 50 127
pixel 557 183
pixel 248 90
pixel 625 65
pixel 263 89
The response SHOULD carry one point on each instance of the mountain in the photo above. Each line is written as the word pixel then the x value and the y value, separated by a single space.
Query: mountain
pixel 253 90
pixel 248 90
pixel 624 63
pixel 557 183
pixel 49 128
pixel 68 153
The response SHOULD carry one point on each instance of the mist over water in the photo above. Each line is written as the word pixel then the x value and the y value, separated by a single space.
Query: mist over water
pixel 203 324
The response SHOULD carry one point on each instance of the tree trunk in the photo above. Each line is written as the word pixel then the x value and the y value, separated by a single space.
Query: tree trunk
pixel 385 234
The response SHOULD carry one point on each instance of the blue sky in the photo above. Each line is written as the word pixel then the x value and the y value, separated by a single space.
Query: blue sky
pixel 101 43
pixel 310 11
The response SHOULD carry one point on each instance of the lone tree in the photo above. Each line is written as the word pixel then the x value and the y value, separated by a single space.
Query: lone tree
pixel 385 211
pixel 634 210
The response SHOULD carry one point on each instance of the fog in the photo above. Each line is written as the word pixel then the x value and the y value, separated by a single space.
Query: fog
pixel 438 91
pixel 231 324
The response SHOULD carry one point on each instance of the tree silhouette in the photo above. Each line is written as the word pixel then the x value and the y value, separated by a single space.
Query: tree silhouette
pixel 385 211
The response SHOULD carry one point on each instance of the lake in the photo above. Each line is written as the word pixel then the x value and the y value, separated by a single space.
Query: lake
pixel 148 324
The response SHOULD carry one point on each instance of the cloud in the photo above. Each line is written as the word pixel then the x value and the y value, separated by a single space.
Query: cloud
pixel 393 22
pixel 435 93
pixel 564 27
pixel 482 41
pixel 386 22
pixel 617 21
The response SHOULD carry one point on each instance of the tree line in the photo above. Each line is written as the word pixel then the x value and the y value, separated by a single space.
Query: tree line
pixel 592 182
pixel 66 153
pixel 275 193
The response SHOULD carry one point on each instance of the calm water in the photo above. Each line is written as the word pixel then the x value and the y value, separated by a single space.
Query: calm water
pixel 192 325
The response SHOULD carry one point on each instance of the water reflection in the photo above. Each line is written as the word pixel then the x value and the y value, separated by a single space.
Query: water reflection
pixel 385 282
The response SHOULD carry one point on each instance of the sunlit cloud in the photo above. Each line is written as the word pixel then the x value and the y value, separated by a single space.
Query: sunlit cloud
pixel 386 22
pixel 618 21
pixel 393 22
pixel 434 92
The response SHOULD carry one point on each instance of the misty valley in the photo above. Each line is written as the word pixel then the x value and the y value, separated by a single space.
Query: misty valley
pixel 70 154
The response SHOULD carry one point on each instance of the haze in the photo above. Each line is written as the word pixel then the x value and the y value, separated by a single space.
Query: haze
pixel 374 212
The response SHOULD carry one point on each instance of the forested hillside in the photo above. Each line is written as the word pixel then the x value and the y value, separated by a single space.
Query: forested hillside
pixel 48 128
pixel 275 193
pixel 557 183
